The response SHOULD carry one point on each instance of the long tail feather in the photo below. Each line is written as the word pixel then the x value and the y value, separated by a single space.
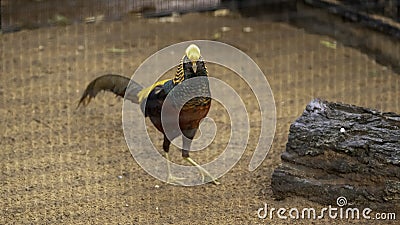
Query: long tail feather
pixel 114 83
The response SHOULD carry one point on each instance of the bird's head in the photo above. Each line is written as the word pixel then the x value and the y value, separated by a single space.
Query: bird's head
pixel 193 54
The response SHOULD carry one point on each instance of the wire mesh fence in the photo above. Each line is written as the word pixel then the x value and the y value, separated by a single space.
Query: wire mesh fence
pixel 27 14
pixel 387 8
pixel 62 165
pixel 22 14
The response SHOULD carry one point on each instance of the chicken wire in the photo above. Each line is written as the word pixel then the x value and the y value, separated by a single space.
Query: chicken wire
pixel 20 14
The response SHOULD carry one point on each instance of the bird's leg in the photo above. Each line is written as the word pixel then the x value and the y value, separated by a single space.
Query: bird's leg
pixel 187 142
pixel 170 179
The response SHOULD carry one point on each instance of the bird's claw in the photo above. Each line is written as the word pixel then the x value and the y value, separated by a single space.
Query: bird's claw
pixel 203 172
pixel 212 179
pixel 216 182
pixel 175 180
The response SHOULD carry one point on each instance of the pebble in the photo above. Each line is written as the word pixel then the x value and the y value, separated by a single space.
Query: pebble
pixel 225 29
pixel 247 29
pixel 221 12
pixel 93 19
pixel 174 18
pixel 217 36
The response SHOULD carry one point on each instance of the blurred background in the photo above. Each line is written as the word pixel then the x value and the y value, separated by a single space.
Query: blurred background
pixel 19 14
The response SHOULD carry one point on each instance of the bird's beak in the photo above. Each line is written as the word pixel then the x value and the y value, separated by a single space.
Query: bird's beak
pixel 194 66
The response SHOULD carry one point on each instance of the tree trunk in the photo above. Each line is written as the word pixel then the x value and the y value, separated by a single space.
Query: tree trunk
pixel 338 150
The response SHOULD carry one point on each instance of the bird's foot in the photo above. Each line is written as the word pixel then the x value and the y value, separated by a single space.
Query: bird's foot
pixel 203 172
pixel 175 180
pixel 171 179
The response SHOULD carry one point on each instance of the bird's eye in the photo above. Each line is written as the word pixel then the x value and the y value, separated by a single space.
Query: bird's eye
pixel 200 63
pixel 187 65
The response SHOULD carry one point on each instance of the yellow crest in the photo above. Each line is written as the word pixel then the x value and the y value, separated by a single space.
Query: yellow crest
pixel 193 52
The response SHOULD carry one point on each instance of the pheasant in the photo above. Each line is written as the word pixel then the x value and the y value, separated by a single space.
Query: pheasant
pixel 153 98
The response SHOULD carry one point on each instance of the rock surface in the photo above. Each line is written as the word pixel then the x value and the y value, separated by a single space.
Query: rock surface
pixel 338 150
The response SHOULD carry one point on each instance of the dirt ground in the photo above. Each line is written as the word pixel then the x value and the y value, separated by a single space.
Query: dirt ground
pixel 63 165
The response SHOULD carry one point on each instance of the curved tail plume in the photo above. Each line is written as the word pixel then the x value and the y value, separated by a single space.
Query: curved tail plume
pixel 113 83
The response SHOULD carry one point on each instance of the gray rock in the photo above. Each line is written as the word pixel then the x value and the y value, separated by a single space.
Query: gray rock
pixel 338 150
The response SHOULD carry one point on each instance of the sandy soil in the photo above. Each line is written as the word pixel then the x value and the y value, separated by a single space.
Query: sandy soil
pixel 62 165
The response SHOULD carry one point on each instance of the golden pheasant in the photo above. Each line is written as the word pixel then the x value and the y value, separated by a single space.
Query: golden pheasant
pixel 191 110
